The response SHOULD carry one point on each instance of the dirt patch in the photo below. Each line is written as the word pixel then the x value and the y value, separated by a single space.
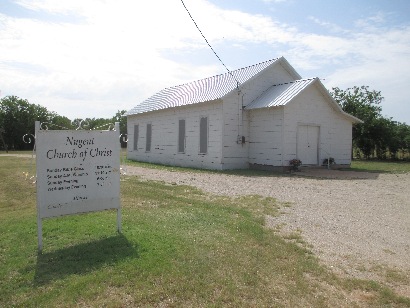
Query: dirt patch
pixel 337 174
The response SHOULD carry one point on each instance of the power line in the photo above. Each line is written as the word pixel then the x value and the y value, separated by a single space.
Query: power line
pixel 193 20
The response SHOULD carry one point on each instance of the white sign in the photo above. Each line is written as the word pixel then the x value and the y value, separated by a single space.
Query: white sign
pixel 78 171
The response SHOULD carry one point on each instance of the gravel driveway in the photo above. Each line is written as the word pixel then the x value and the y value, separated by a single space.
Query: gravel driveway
pixel 358 223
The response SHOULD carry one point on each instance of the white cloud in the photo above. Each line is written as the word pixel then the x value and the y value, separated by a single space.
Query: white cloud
pixel 329 26
pixel 114 53
pixel 117 45
pixel 370 22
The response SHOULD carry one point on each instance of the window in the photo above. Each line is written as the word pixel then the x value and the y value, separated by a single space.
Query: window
pixel 203 135
pixel 181 136
pixel 148 139
pixel 136 132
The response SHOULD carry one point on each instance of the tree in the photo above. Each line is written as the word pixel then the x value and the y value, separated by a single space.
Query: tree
pixel 365 105
pixel 17 117
pixel 403 137
pixel 119 117
pixel 377 134
pixel 59 122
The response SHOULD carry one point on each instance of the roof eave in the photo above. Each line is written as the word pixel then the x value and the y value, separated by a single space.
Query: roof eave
pixel 316 81
pixel 240 86
pixel 289 68
pixel 217 100
pixel 282 61
pixel 334 104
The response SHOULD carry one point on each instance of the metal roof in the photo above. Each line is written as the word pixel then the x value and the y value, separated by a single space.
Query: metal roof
pixel 203 90
pixel 280 94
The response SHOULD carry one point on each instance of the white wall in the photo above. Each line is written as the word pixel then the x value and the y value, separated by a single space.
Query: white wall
pixel 164 145
pixel 265 136
pixel 335 131
pixel 235 123
pixel 239 123
pixel 259 84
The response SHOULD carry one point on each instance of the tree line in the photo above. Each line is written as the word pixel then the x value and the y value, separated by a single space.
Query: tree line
pixel 377 137
pixel 17 117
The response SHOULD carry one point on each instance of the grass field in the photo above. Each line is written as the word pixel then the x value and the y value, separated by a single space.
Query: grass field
pixel 381 166
pixel 179 247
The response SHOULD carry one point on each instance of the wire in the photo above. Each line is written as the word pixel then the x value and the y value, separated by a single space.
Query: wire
pixel 193 20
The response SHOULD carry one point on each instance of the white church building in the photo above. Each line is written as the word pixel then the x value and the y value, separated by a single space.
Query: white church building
pixel 260 116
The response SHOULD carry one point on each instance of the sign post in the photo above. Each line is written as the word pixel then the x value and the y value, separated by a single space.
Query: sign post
pixel 78 171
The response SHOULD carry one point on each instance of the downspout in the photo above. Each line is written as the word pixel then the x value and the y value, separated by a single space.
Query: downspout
pixel 240 139
pixel 283 136
pixel 222 135
pixel 240 116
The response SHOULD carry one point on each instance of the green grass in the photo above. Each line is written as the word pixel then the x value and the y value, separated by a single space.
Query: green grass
pixel 380 166
pixel 16 152
pixel 179 247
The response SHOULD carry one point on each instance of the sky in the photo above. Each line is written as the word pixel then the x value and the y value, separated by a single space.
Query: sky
pixel 91 58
